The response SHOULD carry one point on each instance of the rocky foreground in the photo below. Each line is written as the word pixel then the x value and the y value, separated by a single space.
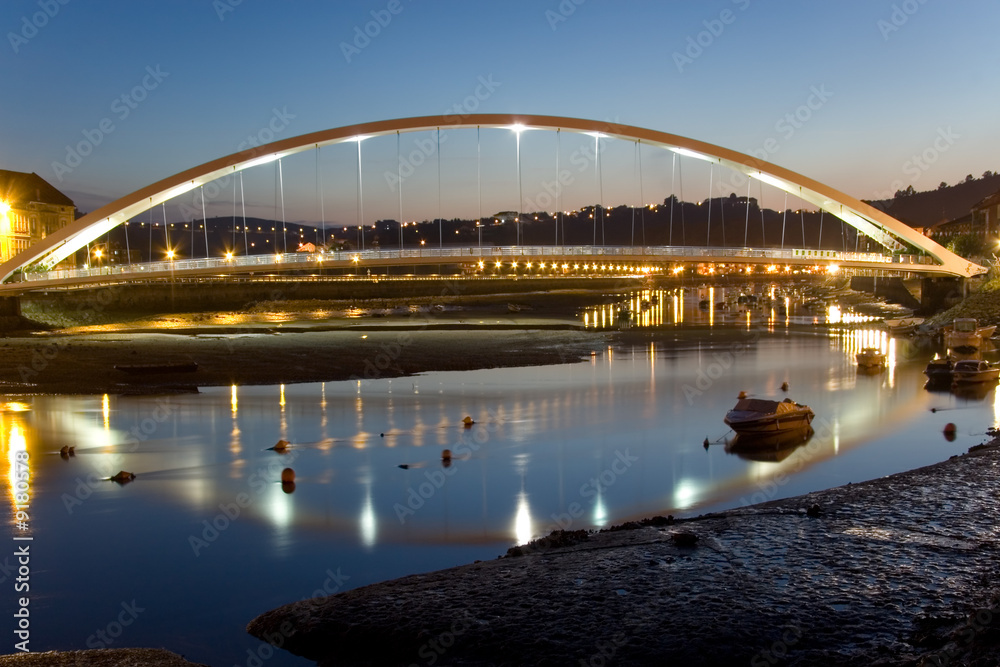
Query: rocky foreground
pixel 903 570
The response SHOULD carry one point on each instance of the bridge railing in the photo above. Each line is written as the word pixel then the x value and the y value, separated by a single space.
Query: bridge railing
pixel 371 257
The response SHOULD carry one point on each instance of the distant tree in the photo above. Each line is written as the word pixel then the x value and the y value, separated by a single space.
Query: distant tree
pixel 988 174
pixel 942 186
pixel 968 245
pixel 969 179
pixel 905 193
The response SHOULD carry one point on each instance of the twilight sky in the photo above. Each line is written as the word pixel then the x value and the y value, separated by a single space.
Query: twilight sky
pixel 848 92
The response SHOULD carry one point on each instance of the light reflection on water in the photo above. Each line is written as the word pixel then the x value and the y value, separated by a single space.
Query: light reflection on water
pixel 206 537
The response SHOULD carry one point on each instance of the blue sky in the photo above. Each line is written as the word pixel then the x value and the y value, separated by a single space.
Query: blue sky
pixel 893 78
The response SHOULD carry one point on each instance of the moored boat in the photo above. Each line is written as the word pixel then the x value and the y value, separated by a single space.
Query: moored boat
pixel 966 332
pixel 154 369
pixel 903 325
pixel 969 371
pixel 870 357
pixel 757 415
pixel 938 371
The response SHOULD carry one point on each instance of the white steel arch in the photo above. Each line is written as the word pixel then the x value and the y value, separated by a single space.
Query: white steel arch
pixel 885 229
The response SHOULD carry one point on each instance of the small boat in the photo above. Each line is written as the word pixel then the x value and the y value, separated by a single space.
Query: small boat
pixel 969 371
pixel 757 415
pixel 904 325
pixel 938 372
pixel 154 369
pixel 704 304
pixel 870 357
pixel 966 332
pixel 513 308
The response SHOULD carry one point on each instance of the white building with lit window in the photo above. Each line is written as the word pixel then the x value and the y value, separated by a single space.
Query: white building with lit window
pixel 30 209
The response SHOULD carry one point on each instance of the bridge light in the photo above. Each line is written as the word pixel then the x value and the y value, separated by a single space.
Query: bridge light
pixel 170 254
pixel 513 265
pixel 98 252
pixel 576 266
pixel 499 263
pixel 356 259
pixel 482 264
pixel 277 257
pixel 4 208
pixel 833 269
pixel 541 265
pixel 565 266
pixel 229 256
pixel 528 265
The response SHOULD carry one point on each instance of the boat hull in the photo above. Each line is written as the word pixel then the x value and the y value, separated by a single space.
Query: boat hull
pixel 991 375
pixel 870 360
pixel 760 425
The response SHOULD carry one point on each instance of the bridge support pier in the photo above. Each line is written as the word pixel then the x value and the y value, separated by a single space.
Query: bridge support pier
pixel 941 293
pixel 10 312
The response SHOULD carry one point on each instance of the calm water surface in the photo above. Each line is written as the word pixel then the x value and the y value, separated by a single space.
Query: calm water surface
pixel 207 537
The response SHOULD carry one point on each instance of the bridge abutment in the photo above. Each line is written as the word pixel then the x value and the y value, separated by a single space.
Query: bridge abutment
pixel 10 313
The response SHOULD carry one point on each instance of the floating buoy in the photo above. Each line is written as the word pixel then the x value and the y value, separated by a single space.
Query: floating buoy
pixel 950 428
pixel 280 446
pixel 288 487
pixel 446 455
pixel 784 386
pixel 742 394
pixel 706 443
pixel 468 421
pixel 122 477
pixel 287 476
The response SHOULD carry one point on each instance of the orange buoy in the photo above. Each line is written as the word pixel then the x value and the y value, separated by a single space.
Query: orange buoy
pixel 280 446
pixel 446 455
pixel 950 428
pixel 742 394
pixel 784 386
pixel 288 487
pixel 468 421
pixel 287 476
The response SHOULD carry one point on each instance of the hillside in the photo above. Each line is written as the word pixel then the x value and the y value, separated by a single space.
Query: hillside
pixel 923 209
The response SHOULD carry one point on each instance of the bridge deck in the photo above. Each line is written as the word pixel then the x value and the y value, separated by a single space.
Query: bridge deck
pixel 570 256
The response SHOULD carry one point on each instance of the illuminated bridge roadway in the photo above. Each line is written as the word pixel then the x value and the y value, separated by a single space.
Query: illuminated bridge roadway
pixel 532 260
pixel 32 269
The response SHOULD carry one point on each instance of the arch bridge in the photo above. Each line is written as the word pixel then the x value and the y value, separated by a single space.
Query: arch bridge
pixel 34 269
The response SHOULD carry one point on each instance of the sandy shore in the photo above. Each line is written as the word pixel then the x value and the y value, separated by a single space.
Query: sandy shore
pixel 902 570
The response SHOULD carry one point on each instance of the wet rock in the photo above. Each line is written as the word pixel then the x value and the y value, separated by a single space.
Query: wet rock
pixel 684 539
pixel 814 510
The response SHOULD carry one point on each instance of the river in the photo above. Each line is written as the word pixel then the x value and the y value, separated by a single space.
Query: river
pixel 207 536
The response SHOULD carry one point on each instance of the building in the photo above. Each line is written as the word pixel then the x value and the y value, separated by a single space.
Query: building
pixel 30 210
pixel 986 215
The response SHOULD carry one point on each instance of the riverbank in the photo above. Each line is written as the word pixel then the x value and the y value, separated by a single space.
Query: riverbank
pixel 95 363
pixel 901 570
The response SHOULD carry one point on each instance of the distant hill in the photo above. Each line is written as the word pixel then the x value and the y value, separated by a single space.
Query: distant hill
pixel 924 209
